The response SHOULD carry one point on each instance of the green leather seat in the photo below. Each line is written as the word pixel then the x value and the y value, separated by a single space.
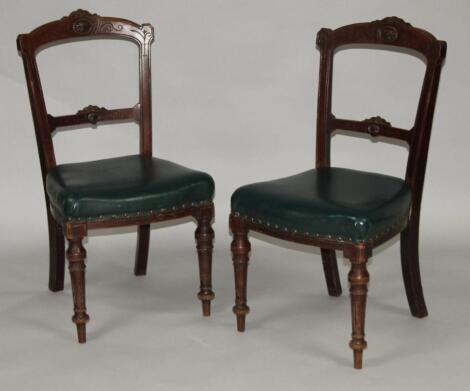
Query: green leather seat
pixel 125 185
pixel 336 203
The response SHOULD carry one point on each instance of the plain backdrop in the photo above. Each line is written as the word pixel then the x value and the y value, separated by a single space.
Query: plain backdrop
pixel 234 94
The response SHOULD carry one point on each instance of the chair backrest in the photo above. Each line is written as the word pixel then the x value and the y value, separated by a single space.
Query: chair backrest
pixel 389 32
pixel 80 25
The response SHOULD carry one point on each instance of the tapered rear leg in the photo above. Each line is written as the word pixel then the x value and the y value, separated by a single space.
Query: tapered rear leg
pixel 330 268
pixel 56 255
pixel 358 279
pixel 204 243
pixel 410 269
pixel 76 255
pixel 240 253
pixel 142 250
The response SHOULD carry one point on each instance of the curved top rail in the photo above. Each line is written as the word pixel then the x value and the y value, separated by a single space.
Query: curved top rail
pixel 391 31
pixel 82 24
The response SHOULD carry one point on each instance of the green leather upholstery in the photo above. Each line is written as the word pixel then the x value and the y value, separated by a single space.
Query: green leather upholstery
pixel 332 202
pixel 125 185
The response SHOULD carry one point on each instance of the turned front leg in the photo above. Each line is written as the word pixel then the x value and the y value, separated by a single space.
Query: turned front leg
pixel 240 253
pixel 204 237
pixel 358 279
pixel 76 255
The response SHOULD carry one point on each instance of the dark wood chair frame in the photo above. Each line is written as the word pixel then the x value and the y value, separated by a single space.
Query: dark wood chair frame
pixel 389 33
pixel 80 25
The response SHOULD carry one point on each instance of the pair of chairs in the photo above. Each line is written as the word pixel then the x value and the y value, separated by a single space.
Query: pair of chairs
pixel 328 207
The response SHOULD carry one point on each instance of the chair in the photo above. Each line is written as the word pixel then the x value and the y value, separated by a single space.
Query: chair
pixel 123 191
pixel 341 209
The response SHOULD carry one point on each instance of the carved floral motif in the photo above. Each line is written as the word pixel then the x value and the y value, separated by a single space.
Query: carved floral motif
pixel 394 20
pixel 93 113
pixel 84 22
pixel 378 120
pixel 146 32
pixel 388 32
pixel 376 124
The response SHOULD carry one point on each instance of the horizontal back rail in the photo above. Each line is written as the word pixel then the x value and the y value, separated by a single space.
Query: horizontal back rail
pixel 94 114
pixel 374 126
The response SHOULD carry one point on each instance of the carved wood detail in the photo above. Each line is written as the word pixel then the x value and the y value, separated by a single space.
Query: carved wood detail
pixel 358 278
pixel 388 32
pixel 376 125
pixel 76 255
pixel 240 248
pixel 92 113
pixel 393 20
pixel 204 238
pixel 83 22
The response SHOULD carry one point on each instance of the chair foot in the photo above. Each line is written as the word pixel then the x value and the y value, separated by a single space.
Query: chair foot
pixel 241 323
pixel 76 255
pixel 357 359
pixel 142 250
pixel 358 279
pixel 81 332
pixel 204 242
pixel 206 308
pixel 330 268
pixel 56 287
pixel 240 253
pixel 240 311
pixel 419 312
pixel 206 297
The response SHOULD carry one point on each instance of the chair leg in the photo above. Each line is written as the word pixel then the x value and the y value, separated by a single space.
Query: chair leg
pixel 76 255
pixel 410 269
pixel 358 279
pixel 142 250
pixel 56 255
pixel 240 253
pixel 330 267
pixel 204 243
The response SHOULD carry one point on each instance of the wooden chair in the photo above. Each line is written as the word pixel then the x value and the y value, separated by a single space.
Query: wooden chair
pixel 130 190
pixel 341 209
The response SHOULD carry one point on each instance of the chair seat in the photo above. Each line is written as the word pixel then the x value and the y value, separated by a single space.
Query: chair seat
pixel 337 203
pixel 125 185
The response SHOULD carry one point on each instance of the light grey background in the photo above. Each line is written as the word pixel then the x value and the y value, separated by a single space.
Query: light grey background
pixel 234 94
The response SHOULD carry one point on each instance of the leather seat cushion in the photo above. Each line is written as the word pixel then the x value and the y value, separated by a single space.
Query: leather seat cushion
pixel 332 202
pixel 128 184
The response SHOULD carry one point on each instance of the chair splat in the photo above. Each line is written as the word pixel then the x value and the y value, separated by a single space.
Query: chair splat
pixel 374 126
pixel 92 115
